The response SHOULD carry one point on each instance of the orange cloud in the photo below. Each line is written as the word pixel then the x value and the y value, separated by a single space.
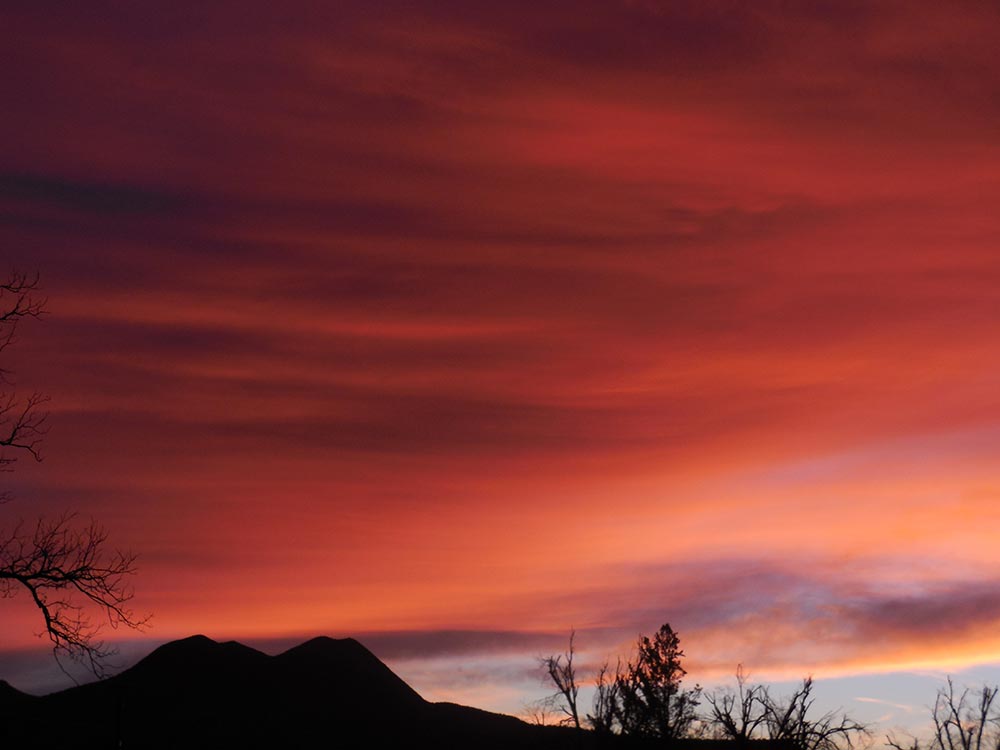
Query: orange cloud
pixel 490 319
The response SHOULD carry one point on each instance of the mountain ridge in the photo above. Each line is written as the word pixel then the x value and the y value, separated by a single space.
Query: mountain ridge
pixel 199 693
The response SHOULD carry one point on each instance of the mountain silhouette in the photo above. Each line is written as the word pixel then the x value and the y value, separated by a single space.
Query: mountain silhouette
pixel 11 696
pixel 198 693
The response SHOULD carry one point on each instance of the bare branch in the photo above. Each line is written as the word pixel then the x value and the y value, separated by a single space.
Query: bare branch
pixel 68 575
pixel 965 720
pixel 910 743
pixel 541 711
pixel 562 673
pixel 604 719
pixel 789 721
pixel 739 715
pixel 22 426
pixel 18 301
pixel 22 423
pixel 66 571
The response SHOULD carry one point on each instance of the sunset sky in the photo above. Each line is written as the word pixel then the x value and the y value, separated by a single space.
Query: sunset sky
pixel 453 326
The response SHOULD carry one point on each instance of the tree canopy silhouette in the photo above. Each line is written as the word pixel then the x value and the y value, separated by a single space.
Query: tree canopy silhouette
pixel 642 697
pixel 63 567
pixel 651 702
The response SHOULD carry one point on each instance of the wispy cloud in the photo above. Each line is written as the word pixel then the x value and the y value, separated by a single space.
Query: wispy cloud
pixel 460 326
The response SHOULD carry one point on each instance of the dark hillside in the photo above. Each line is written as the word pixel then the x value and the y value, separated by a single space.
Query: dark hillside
pixel 196 694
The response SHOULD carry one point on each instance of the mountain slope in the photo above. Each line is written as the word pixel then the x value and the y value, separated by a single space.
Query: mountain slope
pixel 197 693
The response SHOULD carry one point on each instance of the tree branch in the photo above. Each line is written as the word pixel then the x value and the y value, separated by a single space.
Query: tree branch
pixel 22 424
pixel 67 575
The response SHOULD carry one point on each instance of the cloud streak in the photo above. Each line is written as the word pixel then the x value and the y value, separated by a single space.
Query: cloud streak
pixel 474 323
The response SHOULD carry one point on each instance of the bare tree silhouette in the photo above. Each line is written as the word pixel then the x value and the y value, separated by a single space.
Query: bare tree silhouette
pixel 22 423
pixel 65 569
pixel 604 718
pixel 740 715
pixel 541 712
pixel 749 712
pixel 791 720
pixel 562 673
pixel 965 720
